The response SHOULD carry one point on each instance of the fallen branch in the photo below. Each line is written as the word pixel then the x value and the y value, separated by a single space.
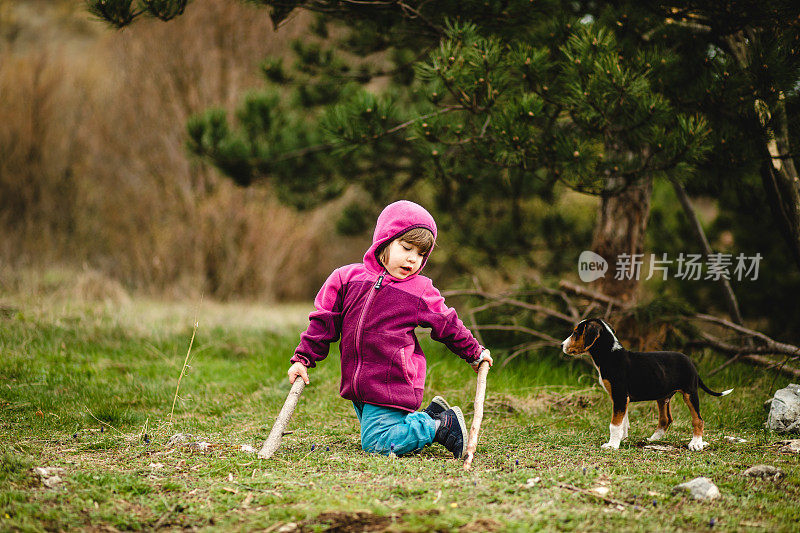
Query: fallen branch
pixel 521 329
pixel 773 345
pixel 753 349
pixel 700 234
pixel 523 348
pixel 744 353
pixel 499 299
pixel 593 295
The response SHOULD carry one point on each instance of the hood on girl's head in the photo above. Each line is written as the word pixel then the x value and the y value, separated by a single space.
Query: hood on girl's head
pixel 396 219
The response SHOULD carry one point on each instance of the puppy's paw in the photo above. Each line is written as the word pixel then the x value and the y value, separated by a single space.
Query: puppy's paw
pixel 697 444
pixel 610 444
pixel 657 435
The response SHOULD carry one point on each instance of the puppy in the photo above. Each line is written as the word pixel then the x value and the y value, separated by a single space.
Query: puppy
pixel 639 376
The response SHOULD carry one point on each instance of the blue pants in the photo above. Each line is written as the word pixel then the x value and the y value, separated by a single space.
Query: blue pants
pixel 384 429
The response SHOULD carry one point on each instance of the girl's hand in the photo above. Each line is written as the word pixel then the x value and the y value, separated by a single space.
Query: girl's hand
pixel 485 356
pixel 298 369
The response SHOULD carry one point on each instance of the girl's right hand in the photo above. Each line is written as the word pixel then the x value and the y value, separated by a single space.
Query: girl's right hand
pixel 298 369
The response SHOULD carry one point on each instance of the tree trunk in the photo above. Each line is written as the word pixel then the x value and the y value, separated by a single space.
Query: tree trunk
pixel 778 171
pixel 781 182
pixel 619 235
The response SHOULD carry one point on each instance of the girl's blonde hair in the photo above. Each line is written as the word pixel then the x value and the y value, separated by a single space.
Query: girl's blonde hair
pixel 420 237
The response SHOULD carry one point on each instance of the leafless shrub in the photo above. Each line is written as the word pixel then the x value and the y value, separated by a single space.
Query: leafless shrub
pixel 38 193
pixel 94 171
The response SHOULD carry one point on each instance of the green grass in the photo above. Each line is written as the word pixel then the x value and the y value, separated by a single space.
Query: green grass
pixel 67 374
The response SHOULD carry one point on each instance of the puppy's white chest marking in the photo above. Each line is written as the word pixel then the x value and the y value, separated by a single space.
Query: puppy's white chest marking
pixel 599 375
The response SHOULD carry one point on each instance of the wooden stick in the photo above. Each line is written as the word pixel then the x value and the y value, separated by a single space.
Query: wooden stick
pixel 480 395
pixel 274 439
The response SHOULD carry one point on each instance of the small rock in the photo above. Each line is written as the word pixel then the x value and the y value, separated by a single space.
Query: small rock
pixel 202 446
pixel 248 449
pixel 601 491
pixel 532 482
pixel 660 448
pixel 764 471
pixel 52 481
pixel 784 410
pixel 286 528
pixel 737 440
pixel 156 466
pixel 178 438
pixel 49 476
pixel 790 446
pixel 47 471
pixel 700 488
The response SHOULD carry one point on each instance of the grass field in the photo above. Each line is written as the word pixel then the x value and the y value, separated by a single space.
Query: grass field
pixel 88 389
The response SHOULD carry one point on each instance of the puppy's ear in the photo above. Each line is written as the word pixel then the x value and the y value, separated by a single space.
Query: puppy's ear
pixel 590 334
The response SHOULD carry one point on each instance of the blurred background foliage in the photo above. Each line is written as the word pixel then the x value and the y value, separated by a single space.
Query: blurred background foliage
pixel 215 154
pixel 94 172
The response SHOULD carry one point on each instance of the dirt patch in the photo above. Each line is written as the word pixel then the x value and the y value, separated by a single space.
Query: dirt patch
pixel 341 522
pixel 355 522
pixel 482 524
pixel 541 401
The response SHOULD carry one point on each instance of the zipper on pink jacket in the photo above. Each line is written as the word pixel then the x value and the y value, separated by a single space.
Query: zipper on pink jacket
pixel 359 333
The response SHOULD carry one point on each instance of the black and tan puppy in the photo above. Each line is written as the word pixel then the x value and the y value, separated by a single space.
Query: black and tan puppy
pixel 637 377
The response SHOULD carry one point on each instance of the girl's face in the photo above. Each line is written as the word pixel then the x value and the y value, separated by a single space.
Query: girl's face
pixel 404 259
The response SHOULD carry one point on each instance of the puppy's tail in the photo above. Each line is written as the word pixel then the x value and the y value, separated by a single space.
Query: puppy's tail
pixel 711 392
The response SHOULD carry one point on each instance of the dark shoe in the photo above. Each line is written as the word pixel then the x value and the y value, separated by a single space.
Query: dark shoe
pixel 452 432
pixel 437 406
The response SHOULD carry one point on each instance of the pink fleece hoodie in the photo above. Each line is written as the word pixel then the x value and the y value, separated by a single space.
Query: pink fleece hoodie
pixel 375 315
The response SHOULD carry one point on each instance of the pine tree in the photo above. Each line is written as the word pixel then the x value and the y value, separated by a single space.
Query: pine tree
pixel 490 104
pixel 738 64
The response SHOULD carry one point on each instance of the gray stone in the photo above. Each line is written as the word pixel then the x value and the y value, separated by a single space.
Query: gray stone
pixel 201 445
pixel 49 476
pixel 784 410
pixel 661 448
pixel 179 439
pixel 790 446
pixel 764 471
pixel 700 488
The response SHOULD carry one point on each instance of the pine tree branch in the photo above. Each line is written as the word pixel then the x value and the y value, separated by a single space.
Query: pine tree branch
pixel 416 13
pixel 332 145
pixel 446 109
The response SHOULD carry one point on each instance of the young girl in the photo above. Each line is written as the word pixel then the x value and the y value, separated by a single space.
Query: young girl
pixel 374 306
